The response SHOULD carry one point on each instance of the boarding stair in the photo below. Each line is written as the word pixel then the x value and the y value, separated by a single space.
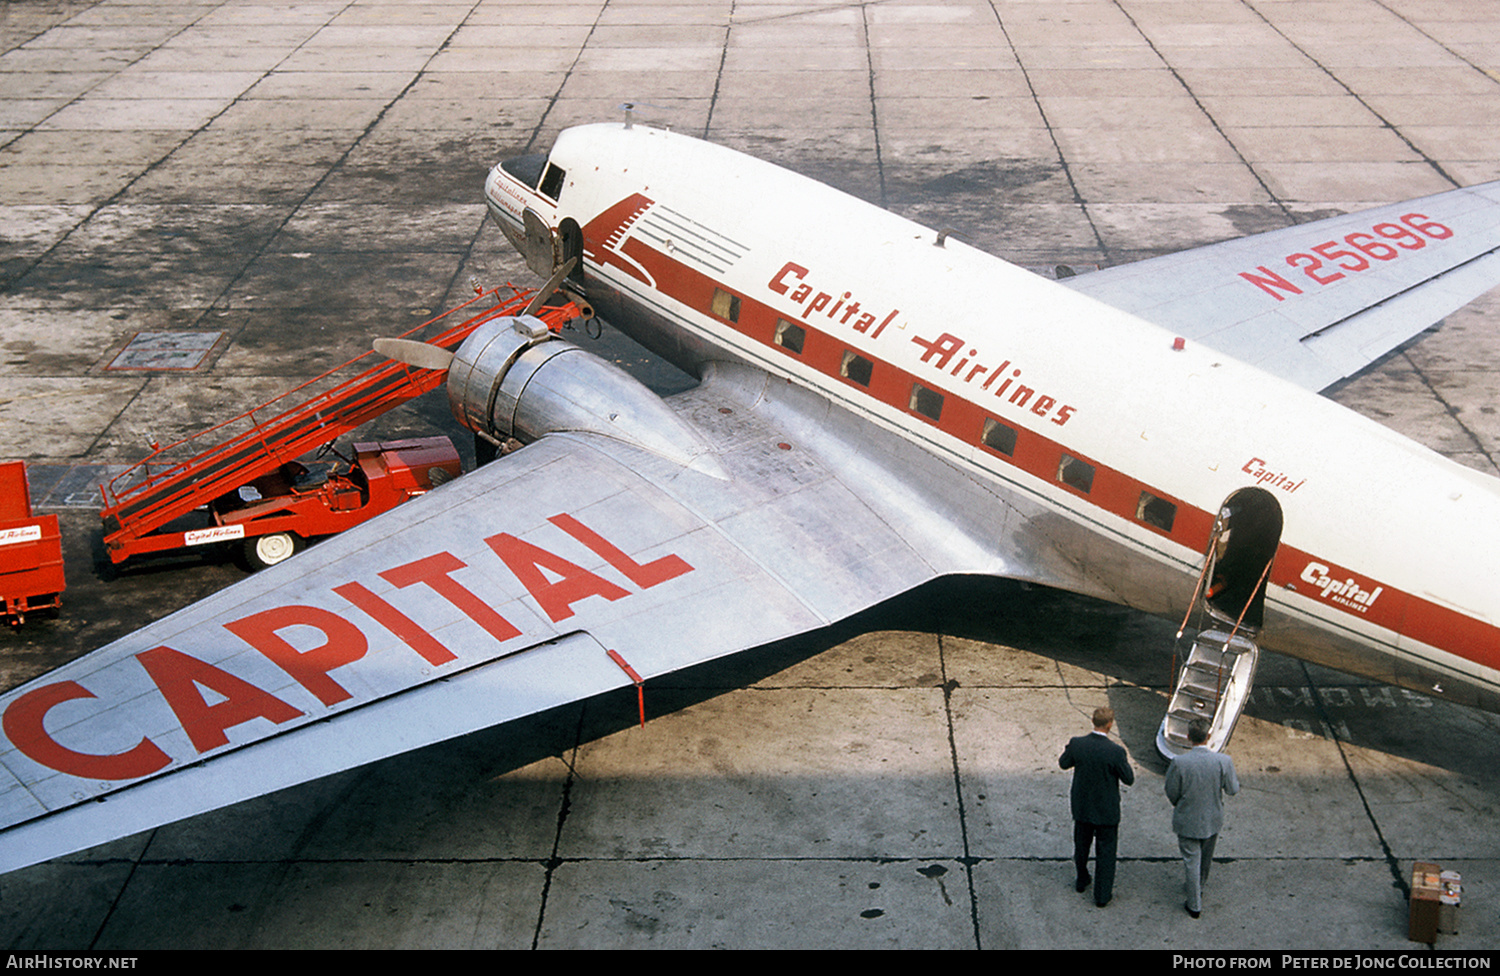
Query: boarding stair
pixel 1214 685
pixel 1216 679
pixel 142 503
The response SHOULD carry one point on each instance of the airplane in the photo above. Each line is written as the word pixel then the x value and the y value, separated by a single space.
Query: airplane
pixel 880 404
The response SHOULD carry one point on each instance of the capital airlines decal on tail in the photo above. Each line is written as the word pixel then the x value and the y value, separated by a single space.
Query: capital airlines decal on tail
pixel 553 582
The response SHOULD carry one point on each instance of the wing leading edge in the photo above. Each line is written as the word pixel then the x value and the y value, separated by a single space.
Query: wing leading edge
pixel 1317 302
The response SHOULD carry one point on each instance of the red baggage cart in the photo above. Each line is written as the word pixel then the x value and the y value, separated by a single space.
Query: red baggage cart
pixel 31 563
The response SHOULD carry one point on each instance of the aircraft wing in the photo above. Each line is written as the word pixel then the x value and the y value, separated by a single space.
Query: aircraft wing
pixel 495 596
pixel 1319 301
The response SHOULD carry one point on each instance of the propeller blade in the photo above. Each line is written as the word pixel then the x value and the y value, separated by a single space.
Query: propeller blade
pixel 550 286
pixel 412 353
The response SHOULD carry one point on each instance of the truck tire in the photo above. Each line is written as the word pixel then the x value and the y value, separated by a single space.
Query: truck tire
pixel 268 550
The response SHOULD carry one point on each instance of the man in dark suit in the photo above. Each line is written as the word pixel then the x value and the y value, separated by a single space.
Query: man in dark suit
pixel 1196 783
pixel 1099 767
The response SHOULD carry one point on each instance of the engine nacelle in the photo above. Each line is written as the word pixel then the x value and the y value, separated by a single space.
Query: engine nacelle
pixel 514 378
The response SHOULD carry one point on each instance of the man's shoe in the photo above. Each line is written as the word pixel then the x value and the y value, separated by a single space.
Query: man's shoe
pixel 1082 883
pixel 1190 911
pixel 1101 904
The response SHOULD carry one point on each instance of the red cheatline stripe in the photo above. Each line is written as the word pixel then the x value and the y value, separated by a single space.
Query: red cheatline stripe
pixel 1112 491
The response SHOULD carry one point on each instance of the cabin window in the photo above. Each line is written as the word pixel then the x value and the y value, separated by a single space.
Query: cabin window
pixel 928 403
pixel 1156 512
pixel 1075 473
pixel 856 368
pixel 999 437
pixel 789 336
pixel 726 306
pixel 552 183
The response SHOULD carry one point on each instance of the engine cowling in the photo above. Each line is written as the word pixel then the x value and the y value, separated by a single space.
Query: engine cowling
pixel 514 378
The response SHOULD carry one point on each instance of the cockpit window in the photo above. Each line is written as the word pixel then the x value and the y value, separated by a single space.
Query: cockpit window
pixel 552 183
pixel 527 169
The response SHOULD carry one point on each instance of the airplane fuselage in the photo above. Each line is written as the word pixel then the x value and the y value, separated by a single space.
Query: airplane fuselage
pixel 1119 443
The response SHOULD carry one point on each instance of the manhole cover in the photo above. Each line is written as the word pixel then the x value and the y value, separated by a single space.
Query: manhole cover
pixel 166 350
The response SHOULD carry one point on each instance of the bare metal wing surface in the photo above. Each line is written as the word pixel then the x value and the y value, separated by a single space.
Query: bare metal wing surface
pixel 495 596
pixel 1317 302
pixel 813 474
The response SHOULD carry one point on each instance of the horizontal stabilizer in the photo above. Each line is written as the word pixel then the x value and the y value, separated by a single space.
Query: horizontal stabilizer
pixel 1320 301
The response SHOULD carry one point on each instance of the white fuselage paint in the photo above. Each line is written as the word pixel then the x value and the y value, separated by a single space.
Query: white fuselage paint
pixel 1388 551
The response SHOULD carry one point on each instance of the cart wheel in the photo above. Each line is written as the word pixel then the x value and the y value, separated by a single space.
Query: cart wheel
pixel 268 550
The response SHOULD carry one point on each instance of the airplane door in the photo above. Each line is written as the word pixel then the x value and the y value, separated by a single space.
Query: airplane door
pixel 538 250
pixel 570 245
pixel 1246 535
pixel 545 252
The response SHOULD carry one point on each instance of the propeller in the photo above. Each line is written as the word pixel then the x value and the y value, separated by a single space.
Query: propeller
pixel 551 286
pixel 419 354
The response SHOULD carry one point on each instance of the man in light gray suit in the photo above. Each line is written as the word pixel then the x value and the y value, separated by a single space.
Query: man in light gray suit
pixel 1196 783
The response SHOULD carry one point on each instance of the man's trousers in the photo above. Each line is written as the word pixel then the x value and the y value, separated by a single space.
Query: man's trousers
pixel 1197 857
pixel 1105 838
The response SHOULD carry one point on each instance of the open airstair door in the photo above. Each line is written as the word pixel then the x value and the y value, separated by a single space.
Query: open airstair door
pixel 1215 681
pixel 1245 539
pixel 570 248
pixel 538 246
